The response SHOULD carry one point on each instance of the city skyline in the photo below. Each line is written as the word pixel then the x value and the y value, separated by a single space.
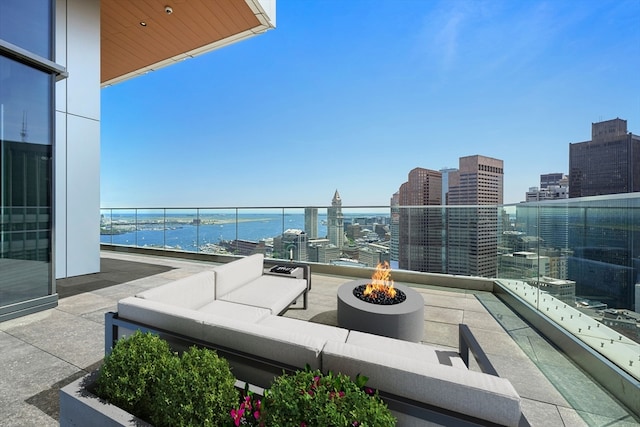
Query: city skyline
pixel 352 96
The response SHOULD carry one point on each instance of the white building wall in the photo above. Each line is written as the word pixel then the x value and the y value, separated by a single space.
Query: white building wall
pixel 77 145
pixel 269 7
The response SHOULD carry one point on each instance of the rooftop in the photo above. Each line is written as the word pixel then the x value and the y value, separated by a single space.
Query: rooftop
pixel 44 351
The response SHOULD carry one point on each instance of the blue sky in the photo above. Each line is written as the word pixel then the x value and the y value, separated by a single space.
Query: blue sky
pixel 352 95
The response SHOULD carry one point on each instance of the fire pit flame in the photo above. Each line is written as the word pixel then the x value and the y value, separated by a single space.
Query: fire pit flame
pixel 381 282
pixel 380 290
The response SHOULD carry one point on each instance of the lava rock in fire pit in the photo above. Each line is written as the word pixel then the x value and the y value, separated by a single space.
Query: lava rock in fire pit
pixel 377 297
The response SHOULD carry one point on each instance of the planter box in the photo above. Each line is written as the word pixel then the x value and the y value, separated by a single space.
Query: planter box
pixel 80 407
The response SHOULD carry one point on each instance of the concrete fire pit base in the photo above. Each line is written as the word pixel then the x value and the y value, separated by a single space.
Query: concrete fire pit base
pixel 404 321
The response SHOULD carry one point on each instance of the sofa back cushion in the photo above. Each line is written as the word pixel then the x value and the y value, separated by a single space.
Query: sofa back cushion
pixel 234 274
pixel 190 292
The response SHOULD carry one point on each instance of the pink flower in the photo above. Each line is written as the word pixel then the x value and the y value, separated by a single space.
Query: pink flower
pixel 256 415
pixel 237 415
pixel 247 403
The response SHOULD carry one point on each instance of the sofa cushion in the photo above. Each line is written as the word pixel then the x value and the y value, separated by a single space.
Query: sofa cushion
pixel 237 273
pixel 423 353
pixel 189 292
pixel 232 310
pixel 283 346
pixel 185 321
pixel 468 392
pixel 160 315
pixel 326 332
pixel 273 292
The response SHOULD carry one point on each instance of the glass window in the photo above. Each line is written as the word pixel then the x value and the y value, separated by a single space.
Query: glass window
pixel 25 97
pixel 28 24
pixel 26 135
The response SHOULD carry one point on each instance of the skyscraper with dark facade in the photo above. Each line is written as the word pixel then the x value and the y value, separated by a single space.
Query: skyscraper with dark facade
pixel 420 228
pixel 472 230
pixel 550 179
pixel 608 164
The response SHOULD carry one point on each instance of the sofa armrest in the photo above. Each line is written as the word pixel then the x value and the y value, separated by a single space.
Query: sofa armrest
pixel 306 270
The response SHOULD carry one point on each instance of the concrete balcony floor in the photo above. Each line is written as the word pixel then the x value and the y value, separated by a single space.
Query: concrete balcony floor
pixel 42 352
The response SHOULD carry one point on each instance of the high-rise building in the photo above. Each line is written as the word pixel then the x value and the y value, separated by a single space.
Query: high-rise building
pixel 607 164
pixel 445 182
pixel 320 250
pixel 472 230
pixel 553 186
pixel 603 239
pixel 478 181
pixel 394 228
pixel 420 228
pixel 549 179
pixel 335 222
pixel 311 222
pixel 369 256
pixel 523 265
pixel 292 244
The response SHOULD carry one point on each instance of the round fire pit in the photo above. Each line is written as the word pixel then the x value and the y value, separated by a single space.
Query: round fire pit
pixel 404 320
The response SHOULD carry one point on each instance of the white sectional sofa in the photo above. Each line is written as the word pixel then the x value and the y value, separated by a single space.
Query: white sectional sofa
pixel 214 309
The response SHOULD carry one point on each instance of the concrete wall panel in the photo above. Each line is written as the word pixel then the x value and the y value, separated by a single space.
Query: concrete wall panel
pixel 77 146
pixel 60 205
pixel 83 196
pixel 83 58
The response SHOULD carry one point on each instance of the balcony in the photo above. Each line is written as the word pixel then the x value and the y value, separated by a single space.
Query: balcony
pixel 569 267
pixel 63 343
pixel 556 354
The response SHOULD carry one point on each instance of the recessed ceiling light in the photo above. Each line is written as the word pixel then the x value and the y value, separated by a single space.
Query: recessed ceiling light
pixel 144 24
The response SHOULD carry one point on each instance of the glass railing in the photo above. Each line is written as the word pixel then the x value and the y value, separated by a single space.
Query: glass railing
pixel 575 261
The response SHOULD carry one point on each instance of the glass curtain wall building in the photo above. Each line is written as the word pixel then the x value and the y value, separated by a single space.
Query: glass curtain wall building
pixel 27 80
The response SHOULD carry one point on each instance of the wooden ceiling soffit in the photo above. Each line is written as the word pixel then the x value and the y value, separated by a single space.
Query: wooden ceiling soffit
pixel 144 35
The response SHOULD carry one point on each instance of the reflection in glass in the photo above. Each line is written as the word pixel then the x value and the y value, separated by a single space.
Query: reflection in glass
pixel 26 189
pixel 28 25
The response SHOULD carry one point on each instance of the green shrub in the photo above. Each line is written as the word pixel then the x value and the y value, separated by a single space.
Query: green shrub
pixel 198 391
pixel 309 398
pixel 145 378
pixel 130 373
